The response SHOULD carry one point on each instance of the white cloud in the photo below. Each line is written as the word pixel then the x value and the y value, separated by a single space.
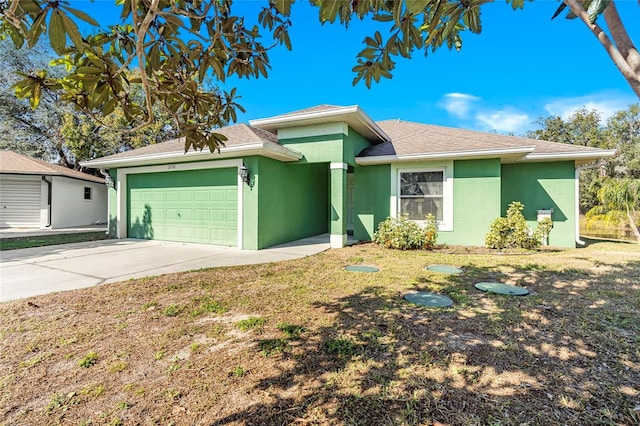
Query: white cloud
pixel 458 104
pixel 504 120
pixel 607 103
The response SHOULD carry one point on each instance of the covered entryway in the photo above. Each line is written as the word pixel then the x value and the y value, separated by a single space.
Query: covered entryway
pixel 195 206
pixel 20 199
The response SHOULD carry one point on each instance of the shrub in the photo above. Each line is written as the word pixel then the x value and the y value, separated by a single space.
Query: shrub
pixel 405 234
pixel 512 231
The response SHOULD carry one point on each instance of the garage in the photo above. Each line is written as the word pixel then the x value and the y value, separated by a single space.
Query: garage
pixel 194 206
pixel 20 202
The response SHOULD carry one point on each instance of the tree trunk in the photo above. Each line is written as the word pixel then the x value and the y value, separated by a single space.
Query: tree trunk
pixel 634 228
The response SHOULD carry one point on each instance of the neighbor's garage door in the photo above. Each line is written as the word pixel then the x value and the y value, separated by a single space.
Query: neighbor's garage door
pixel 199 206
pixel 19 202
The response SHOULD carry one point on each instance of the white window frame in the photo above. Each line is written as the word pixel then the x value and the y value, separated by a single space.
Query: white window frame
pixel 446 167
pixel 84 195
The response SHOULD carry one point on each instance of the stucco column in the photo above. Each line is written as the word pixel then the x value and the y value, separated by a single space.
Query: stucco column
pixel 338 201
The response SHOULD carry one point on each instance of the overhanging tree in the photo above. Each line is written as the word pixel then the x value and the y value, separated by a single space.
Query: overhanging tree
pixel 176 44
pixel 32 132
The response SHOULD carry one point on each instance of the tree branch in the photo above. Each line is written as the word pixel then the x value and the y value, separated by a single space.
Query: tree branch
pixel 614 53
pixel 141 32
pixel 621 37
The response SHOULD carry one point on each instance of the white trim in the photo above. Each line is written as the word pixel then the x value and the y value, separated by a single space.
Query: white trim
pixel 337 240
pixel 338 166
pixel 385 159
pixel 556 156
pixel 447 190
pixel 577 201
pixel 265 149
pixel 122 187
pixel 352 115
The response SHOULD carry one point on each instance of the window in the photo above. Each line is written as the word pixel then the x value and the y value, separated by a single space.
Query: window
pixel 421 193
pixel 87 193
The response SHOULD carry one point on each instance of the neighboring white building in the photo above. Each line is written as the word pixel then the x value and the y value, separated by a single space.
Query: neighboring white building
pixel 37 194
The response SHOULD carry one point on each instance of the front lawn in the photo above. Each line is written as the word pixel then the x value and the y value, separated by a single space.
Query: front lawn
pixel 306 342
pixel 14 243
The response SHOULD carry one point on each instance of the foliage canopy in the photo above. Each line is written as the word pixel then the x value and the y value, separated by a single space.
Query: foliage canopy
pixel 176 44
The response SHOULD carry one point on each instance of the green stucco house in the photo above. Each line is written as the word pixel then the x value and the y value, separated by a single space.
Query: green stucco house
pixel 333 170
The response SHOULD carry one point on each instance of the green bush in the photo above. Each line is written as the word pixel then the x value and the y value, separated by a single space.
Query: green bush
pixel 512 231
pixel 405 234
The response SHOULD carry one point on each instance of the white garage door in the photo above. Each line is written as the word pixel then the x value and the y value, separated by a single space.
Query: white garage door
pixel 19 202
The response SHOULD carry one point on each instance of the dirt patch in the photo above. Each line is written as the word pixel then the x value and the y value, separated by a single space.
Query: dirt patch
pixel 321 345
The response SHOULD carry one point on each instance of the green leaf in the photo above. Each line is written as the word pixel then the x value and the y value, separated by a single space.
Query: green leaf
pixel 329 10
pixel 72 30
pixel 571 15
pixel 416 6
pixel 559 10
pixel 283 6
pixel 57 35
pixel 81 15
pixel 596 8
pixel 517 4
pixel 36 29
pixel 397 12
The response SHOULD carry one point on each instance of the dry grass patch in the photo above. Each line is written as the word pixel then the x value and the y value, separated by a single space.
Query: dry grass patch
pixel 306 342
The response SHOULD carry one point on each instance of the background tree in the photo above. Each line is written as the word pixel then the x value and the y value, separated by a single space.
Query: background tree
pixel 22 129
pixel 176 44
pixel 624 128
pixel 88 137
pixel 620 132
pixel 55 132
pixel 583 128
pixel 622 194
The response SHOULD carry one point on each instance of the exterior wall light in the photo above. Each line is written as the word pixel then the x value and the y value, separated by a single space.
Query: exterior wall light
pixel 244 175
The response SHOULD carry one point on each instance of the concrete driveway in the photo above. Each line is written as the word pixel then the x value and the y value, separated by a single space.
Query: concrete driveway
pixel 42 270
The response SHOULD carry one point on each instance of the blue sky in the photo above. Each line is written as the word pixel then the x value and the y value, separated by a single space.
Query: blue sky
pixel 521 67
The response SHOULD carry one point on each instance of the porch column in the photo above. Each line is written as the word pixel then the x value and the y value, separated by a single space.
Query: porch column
pixel 338 213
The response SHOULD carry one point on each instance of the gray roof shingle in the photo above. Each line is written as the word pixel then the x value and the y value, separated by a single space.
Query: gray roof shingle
pixel 14 163
pixel 237 134
pixel 409 138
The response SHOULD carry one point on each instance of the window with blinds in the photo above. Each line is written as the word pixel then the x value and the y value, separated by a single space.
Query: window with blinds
pixel 421 193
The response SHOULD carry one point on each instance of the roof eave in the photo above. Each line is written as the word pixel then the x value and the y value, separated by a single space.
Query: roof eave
pixel 579 157
pixel 265 149
pixel 505 155
pixel 352 115
pixel 59 174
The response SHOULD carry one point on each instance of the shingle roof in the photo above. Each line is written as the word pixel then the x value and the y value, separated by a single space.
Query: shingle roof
pixel 406 139
pixel 317 108
pixel 236 135
pixel 14 163
pixel 409 138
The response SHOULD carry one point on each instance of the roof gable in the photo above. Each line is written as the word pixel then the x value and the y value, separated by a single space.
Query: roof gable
pixel 353 115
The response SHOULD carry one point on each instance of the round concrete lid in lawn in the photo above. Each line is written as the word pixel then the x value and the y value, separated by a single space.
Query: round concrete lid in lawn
pixel 444 269
pixel 430 300
pixel 361 268
pixel 500 288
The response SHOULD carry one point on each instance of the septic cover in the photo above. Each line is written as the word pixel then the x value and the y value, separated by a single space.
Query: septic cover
pixel 444 269
pixel 431 300
pixel 361 268
pixel 500 288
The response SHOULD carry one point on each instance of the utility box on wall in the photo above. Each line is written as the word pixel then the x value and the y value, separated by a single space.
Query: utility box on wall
pixel 544 213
